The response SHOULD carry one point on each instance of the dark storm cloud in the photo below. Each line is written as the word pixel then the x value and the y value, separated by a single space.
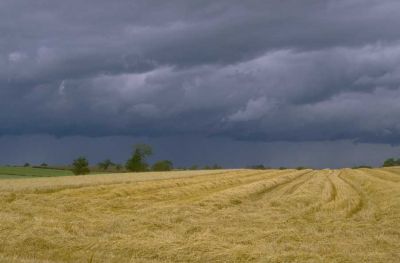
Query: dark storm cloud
pixel 247 70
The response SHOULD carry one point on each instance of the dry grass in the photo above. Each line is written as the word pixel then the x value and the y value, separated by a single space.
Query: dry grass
pixel 204 216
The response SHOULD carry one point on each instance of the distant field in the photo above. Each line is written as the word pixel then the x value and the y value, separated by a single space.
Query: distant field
pixel 204 216
pixel 29 172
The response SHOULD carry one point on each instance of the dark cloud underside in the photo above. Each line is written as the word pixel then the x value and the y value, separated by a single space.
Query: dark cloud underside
pixel 247 71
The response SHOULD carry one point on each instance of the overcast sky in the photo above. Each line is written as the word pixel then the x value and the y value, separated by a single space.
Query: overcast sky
pixel 232 82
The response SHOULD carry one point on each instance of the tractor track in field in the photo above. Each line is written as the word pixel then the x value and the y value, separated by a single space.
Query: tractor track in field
pixel 360 203
pixel 85 186
pixel 250 192
pixel 106 187
pixel 129 179
pixel 146 192
pixel 333 191
pixel 296 186
pixel 141 188
pixel 385 176
pixel 195 190
pixel 275 187
pixel 202 190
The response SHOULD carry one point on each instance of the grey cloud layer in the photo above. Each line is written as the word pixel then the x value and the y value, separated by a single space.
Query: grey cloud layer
pixel 248 70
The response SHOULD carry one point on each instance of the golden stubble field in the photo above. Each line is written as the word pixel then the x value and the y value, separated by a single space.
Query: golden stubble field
pixel 204 216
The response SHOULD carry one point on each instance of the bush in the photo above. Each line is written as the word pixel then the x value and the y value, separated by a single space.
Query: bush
pixel 80 166
pixel 164 165
pixel 391 162
pixel 104 165
pixel 362 166
pixel 118 167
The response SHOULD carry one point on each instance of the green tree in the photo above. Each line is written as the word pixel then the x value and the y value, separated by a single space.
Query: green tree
pixel 390 162
pixel 164 165
pixel 137 162
pixel 104 165
pixel 80 166
pixel 43 165
pixel 26 165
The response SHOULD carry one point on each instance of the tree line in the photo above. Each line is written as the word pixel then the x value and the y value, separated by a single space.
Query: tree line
pixel 391 162
pixel 136 163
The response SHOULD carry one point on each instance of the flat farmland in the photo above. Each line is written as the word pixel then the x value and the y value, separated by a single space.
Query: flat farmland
pixel 8 172
pixel 347 215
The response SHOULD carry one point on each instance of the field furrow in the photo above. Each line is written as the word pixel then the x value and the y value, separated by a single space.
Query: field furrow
pixel 299 182
pixel 329 191
pixel 386 175
pixel 251 191
pixel 188 189
pixel 356 199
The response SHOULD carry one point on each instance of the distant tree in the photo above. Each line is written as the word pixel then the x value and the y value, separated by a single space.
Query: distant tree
pixel 80 166
pixel 104 165
pixel 164 165
pixel 282 168
pixel 27 165
pixel 362 166
pixel 391 162
pixel 137 162
pixel 43 165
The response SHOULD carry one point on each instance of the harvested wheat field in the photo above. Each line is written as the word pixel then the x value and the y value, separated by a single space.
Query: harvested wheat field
pixel 204 216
